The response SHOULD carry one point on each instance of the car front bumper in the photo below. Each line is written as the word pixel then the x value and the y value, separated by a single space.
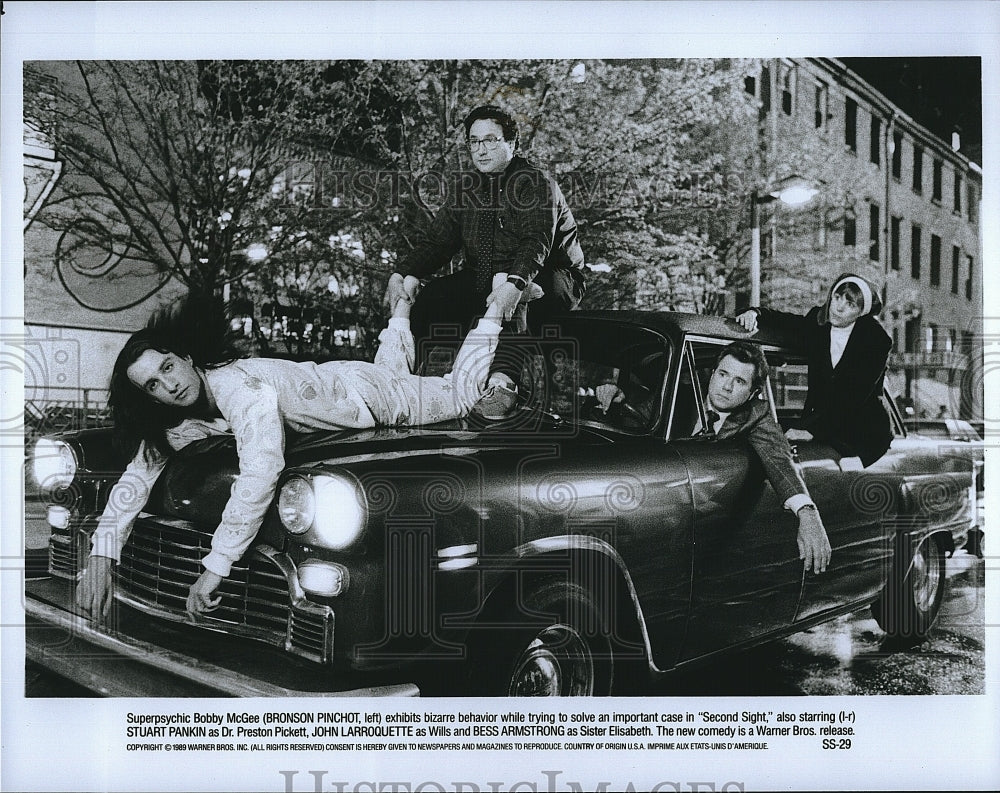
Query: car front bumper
pixel 140 657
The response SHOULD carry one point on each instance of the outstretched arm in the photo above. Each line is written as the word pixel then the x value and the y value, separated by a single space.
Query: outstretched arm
pixel 251 407
pixel 125 502
pixel 775 455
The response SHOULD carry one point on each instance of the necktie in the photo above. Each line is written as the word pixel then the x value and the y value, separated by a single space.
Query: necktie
pixel 710 418
pixel 485 232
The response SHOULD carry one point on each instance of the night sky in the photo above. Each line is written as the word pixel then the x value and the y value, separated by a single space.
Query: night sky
pixel 939 93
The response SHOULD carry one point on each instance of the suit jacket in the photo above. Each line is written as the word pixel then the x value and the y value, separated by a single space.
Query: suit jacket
pixel 843 406
pixel 753 420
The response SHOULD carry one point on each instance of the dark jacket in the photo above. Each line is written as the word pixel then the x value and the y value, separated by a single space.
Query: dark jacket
pixel 753 420
pixel 533 226
pixel 842 406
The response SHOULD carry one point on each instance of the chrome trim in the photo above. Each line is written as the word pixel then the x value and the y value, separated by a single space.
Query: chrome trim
pixel 324 616
pixel 457 550
pixel 328 464
pixel 207 621
pixel 459 563
pixel 198 671
pixel 580 542
pixel 276 630
pixel 296 594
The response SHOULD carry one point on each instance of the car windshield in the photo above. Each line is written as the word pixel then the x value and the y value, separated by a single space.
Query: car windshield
pixel 598 372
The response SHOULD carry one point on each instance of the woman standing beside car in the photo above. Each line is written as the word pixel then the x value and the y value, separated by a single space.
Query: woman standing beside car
pixel 847 351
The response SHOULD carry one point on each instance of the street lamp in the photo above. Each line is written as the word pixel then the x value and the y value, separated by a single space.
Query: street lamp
pixel 793 191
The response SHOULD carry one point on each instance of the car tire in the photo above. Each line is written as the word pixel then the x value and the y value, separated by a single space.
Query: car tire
pixel 563 648
pixel 908 606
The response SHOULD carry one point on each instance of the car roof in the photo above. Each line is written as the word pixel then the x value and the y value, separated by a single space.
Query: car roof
pixel 674 324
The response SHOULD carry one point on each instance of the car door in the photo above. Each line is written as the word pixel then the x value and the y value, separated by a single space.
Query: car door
pixel 617 480
pixel 852 501
pixel 746 574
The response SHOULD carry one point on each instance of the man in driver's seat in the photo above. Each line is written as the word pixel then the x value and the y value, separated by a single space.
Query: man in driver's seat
pixel 733 409
pixel 630 397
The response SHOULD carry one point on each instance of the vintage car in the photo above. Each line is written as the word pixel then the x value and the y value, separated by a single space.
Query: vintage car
pixel 562 550
pixel 959 438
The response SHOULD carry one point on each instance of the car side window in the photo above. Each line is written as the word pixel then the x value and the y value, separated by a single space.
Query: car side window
pixel 700 356
pixel 688 413
pixel 789 385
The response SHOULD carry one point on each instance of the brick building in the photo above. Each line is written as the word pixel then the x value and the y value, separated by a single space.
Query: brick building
pixel 895 203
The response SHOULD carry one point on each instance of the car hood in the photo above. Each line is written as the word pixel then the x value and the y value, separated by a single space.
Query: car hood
pixel 197 481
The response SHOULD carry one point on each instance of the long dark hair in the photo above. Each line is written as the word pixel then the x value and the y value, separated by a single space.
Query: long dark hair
pixel 191 327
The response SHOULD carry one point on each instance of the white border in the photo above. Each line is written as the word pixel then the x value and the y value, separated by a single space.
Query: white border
pixel 912 742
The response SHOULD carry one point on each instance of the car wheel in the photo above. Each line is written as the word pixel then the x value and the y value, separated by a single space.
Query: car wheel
pixel 909 605
pixel 562 649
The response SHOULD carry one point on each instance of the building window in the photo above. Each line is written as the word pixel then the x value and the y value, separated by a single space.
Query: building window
pixel 786 78
pixel 956 256
pixel 958 193
pixel 894 224
pixel 876 141
pixel 935 260
pixel 820 111
pixel 930 337
pixel 897 154
pixel 851 125
pixel 970 202
pixel 850 228
pixel 750 84
pixel 918 169
pixel 915 252
pixel 912 331
pixel 765 91
pixel 951 340
pixel 936 190
pixel 873 233
pixel 968 281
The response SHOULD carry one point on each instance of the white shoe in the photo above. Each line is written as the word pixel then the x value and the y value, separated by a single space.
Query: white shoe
pixel 499 398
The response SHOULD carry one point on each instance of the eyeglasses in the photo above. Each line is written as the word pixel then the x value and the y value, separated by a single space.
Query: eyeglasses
pixel 490 142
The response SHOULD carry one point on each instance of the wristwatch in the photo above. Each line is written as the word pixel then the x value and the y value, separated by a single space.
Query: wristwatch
pixel 518 281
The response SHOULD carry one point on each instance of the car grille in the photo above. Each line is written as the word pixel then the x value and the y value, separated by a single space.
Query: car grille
pixel 62 556
pixel 162 559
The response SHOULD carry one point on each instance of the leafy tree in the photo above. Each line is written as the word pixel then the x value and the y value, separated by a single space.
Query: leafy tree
pixel 175 164
pixel 299 183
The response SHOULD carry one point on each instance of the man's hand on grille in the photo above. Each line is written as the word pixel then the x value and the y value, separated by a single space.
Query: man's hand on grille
pixel 200 600
pixel 94 592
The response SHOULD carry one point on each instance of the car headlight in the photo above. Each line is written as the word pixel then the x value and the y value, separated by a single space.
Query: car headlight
pixel 332 506
pixel 296 505
pixel 53 464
